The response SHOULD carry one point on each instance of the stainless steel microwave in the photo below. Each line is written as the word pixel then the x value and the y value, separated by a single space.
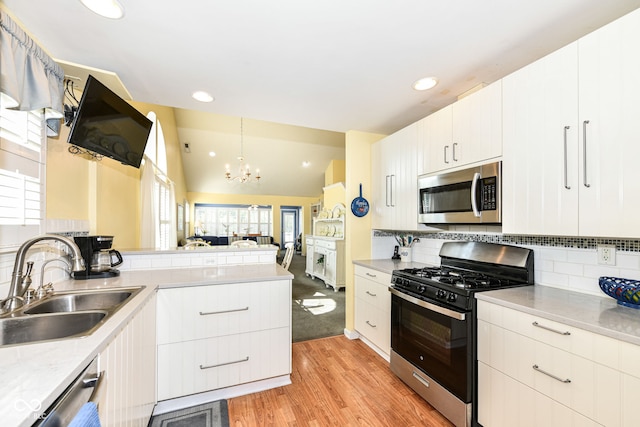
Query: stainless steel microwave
pixel 468 196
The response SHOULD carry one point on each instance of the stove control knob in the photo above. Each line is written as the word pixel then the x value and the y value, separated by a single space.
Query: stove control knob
pixel 422 288
pixel 441 294
pixel 452 297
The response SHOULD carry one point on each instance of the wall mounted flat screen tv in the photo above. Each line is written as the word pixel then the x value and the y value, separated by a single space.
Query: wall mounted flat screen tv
pixel 108 125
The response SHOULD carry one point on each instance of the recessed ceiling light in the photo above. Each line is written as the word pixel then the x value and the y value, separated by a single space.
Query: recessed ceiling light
pixel 425 83
pixel 111 9
pixel 202 96
pixel 212 153
pixel 306 164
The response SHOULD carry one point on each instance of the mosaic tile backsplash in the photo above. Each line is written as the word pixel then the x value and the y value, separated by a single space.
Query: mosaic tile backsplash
pixel 563 262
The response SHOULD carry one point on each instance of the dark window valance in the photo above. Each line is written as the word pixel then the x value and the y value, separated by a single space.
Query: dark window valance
pixel 29 78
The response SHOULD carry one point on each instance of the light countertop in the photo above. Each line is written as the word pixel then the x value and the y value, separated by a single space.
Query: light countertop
pixel 593 313
pixel 388 265
pixel 32 376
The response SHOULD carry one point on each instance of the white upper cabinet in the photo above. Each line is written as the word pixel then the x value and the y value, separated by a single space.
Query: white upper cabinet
pixel 394 177
pixel 467 131
pixel 609 93
pixel 539 184
pixel 570 164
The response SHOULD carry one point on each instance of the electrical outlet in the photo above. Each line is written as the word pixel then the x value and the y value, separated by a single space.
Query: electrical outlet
pixel 607 254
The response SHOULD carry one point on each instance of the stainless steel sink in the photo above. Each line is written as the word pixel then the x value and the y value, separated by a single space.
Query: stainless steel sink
pixel 26 329
pixel 61 302
pixel 62 315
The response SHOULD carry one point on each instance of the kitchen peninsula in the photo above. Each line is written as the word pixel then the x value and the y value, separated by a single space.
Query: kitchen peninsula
pixel 34 375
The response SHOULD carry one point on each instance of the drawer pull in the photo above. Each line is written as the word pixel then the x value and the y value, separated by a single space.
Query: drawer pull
pixel 371 324
pixel 422 380
pixel 373 295
pixel 224 364
pixel 537 368
pixel 207 313
pixel 371 275
pixel 536 324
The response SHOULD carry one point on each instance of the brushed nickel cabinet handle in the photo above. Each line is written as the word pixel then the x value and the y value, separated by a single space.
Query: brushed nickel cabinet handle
pixel 371 275
pixel 546 328
pixel 208 313
pixel 387 190
pixel 373 295
pixel 566 183
pixel 445 154
pixel 371 324
pixel 584 149
pixel 565 380
pixel 224 364
pixel 454 152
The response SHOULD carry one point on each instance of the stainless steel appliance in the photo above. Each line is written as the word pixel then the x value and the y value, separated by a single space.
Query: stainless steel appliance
pixel 468 196
pixel 433 321
pixel 99 258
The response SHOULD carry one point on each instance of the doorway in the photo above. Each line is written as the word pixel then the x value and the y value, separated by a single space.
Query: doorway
pixel 289 224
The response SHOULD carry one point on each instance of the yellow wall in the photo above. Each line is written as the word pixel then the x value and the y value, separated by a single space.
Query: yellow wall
pixel 335 172
pixel 358 230
pixel 248 199
pixel 106 193
pixel 333 195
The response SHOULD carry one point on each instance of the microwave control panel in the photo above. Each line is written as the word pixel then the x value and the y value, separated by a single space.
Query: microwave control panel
pixel 489 196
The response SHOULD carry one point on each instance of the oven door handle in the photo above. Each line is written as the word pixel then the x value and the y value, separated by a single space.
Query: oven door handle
pixel 433 307
pixel 474 199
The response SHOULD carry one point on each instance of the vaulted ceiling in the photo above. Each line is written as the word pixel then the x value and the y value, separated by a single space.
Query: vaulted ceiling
pixel 334 65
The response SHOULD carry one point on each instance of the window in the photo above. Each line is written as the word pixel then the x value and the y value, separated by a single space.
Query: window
pixel 229 220
pixel 158 224
pixel 22 166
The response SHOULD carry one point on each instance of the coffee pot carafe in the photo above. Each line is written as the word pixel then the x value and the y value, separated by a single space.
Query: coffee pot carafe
pixel 99 258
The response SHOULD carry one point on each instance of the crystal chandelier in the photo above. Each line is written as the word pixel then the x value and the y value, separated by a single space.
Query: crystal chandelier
pixel 244 171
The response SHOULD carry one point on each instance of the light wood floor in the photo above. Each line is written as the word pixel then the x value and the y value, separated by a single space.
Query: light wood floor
pixel 336 382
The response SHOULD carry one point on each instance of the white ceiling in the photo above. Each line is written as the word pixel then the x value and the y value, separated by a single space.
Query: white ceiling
pixel 336 65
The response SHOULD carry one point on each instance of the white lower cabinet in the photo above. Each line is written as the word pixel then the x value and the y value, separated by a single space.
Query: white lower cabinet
pixel 533 371
pixel 128 395
pixel 217 336
pixel 373 307
pixel 326 262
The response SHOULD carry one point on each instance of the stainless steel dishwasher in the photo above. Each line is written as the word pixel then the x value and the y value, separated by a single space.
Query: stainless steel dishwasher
pixel 85 388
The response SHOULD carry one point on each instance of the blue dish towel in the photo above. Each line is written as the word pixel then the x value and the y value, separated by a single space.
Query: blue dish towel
pixel 87 416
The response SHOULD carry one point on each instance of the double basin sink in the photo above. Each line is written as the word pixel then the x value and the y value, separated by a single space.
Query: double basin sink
pixel 69 314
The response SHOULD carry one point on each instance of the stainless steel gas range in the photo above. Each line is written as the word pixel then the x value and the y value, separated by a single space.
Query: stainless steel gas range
pixel 433 321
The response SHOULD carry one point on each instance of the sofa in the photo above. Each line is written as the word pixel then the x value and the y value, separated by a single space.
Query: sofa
pixel 224 240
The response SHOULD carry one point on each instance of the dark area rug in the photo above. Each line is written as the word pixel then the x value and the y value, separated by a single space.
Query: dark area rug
pixel 214 414
pixel 316 311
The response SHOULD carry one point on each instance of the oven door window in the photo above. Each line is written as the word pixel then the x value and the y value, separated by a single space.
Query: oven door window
pixel 435 343
pixel 446 198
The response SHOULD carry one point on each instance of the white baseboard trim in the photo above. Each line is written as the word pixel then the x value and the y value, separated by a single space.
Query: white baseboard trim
pixel 375 348
pixel 351 334
pixel 223 393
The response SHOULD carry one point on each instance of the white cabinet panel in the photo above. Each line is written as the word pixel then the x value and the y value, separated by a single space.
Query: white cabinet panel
pixel 209 311
pixel 129 365
pixel 208 364
pixel 373 307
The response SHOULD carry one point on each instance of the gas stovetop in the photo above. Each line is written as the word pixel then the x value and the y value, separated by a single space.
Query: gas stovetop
pixel 467 267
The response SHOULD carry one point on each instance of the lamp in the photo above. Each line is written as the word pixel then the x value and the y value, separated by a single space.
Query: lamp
pixel 244 169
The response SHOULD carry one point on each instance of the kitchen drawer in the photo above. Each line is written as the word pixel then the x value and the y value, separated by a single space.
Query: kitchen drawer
pixel 209 364
pixel 375 275
pixel 326 244
pixel 198 312
pixel 374 293
pixel 374 324
pixel 592 346
pixel 587 387
pixel 505 402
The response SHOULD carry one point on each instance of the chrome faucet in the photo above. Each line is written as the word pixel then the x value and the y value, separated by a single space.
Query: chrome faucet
pixel 20 283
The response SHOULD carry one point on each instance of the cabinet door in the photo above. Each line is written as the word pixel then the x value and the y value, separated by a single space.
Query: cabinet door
pixel 477 126
pixel 330 268
pixel 540 153
pixel 437 136
pixel 381 213
pixel 309 259
pixel 609 130
pixel 129 365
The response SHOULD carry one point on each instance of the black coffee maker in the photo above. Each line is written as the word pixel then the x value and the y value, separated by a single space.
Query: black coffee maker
pixel 99 258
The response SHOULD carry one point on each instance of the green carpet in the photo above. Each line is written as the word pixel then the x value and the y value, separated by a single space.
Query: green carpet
pixel 316 311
